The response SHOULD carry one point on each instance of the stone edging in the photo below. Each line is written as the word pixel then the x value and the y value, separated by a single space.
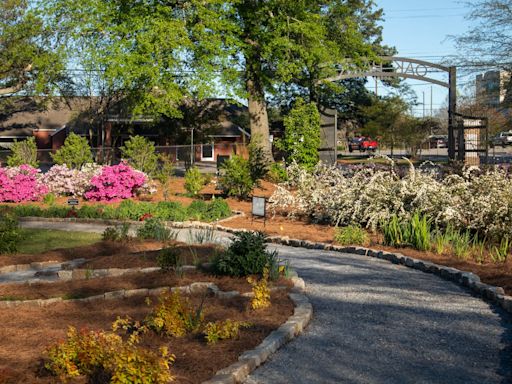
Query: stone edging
pixel 250 360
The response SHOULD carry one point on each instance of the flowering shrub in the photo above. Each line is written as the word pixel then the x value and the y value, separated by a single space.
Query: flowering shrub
pixel 21 183
pixel 115 182
pixel 62 180
pixel 478 200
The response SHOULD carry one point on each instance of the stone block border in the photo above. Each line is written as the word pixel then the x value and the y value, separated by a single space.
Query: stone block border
pixel 250 360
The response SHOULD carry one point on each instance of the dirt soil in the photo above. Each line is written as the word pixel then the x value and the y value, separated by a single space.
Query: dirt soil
pixel 26 332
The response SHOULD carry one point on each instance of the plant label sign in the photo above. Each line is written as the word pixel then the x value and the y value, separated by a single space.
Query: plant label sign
pixel 258 206
pixel 72 202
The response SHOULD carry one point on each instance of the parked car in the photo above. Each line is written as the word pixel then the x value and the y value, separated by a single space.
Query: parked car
pixel 437 141
pixel 362 144
pixel 502 138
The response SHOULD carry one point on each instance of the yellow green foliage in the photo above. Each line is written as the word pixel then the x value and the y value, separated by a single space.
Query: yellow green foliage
pixel 174 316
pixel 106 353
pixel 223 330
pixel 260 290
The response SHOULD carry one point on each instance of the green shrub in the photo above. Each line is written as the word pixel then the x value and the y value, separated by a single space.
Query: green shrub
pixel 236 179
pixel 247 255
pixel 277 173
pixel 139 152
pixel 23 152
pixel 74 153
pixel 28 210
pixel 217 209
pixel 10 234
pixel 194 181
pixel 301 135
pixel 197 209
pixel 169 258
pixel 393 232
pixel 259 163
pixel 351 235
pixel 419 232
pixel 155 229
pixel 164 173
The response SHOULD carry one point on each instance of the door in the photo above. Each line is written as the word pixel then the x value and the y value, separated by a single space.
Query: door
pixel 207 152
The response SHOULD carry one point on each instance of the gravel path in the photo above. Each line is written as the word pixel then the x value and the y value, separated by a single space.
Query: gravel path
pixel 376 322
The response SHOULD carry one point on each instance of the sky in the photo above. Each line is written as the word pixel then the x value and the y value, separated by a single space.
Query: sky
pixel 419 29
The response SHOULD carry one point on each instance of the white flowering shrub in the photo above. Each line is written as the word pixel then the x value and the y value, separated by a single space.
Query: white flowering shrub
pixel 478 200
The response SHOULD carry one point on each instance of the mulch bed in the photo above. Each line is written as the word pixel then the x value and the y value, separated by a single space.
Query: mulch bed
pixel 26 332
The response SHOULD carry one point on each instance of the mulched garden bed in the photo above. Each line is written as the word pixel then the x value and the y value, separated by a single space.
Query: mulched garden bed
pixel 27 331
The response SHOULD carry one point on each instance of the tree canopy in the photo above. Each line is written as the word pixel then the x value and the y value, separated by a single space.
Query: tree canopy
pixel 157 53
pixel 27 63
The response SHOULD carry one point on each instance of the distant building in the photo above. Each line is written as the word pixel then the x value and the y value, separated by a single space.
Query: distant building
pixel 491 88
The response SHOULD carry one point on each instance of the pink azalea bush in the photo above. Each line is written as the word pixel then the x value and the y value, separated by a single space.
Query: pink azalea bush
pixel 115 182
pixel 62 180
pixel 21 183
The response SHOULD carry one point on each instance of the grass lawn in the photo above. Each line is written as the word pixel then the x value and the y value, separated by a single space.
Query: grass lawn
pixel 41 240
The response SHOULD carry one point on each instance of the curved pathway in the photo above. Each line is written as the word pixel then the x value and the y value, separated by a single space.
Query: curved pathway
pixel 377 322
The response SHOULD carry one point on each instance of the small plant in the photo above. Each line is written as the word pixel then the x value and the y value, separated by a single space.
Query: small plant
pixel 393 232
pixel 500 254
pixel 118 233
pixel 259 163
pixel 75 152
pixel 23 152
pixel 461 244
pixel 169 259
pixel 194 181
pixel 441 239
pixel 139 152
pixel 10 234
pixel 49 199
pixel 165 172
pixel 260 290
pixel 420 232
pixel 155 228
pixel 351 235
pixel 277 173
pixel 236 179
pixel 103 354
pixel 223 330
pixel 478 249
pixel 202 236
pixel 173 316
pixel 246 255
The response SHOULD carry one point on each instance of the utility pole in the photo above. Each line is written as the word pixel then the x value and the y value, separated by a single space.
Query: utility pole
pixel 423 104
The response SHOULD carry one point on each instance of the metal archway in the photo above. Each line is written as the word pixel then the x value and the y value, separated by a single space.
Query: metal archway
pixel 391 66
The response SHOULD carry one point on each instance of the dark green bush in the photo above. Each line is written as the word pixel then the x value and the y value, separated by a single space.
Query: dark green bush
pixel 10 234
pixel 277 173
pixel 197 209
pixel 90 211
pixel 247 255
pixel 130 210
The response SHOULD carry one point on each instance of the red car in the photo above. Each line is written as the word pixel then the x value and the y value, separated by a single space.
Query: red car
pixel 362 144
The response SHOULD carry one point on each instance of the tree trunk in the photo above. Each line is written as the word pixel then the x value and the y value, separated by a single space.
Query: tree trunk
pixel 258 116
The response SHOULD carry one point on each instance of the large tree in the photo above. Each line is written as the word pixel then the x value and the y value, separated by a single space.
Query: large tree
pixel 158 52
pixel 27 62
